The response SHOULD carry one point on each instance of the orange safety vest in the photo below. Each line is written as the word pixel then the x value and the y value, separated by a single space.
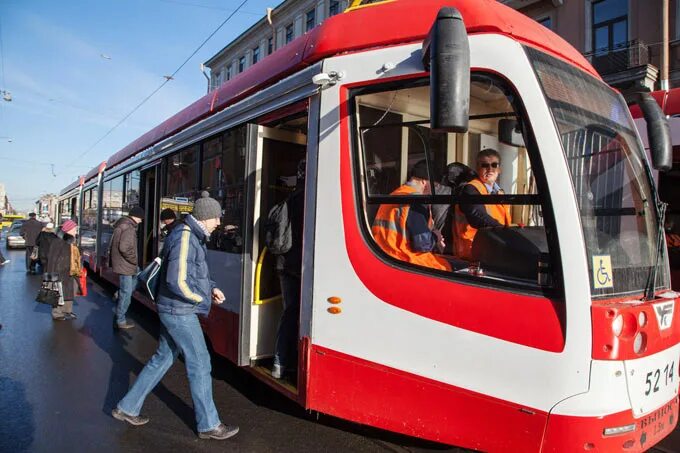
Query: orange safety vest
pixel 389 231
pixel 464 234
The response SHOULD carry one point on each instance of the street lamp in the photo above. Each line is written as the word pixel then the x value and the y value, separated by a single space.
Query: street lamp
pixel 6 95
pixel 9 139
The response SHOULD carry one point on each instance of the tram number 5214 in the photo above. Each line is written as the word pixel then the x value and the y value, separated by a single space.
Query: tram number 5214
pixel 653 378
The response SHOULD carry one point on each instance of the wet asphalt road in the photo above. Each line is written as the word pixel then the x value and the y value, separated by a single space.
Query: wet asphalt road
pixel 60 380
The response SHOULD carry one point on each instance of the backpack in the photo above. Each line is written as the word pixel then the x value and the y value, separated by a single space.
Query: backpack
pixel 278 236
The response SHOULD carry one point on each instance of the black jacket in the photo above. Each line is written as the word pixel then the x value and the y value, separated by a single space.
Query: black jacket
pixel 59 262
pixel 43 242
pixel 30 231
pixel 123 249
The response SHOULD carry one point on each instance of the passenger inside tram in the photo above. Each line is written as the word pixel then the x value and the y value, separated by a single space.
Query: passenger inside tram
pixel 502 238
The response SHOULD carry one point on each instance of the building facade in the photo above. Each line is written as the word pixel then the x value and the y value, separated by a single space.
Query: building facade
pixel 622 38
pixel 46 207
pixel 292 18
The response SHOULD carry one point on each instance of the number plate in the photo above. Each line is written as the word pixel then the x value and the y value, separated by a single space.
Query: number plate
pixel 653 381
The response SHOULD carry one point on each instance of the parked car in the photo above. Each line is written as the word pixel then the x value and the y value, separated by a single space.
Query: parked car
pixel 14 239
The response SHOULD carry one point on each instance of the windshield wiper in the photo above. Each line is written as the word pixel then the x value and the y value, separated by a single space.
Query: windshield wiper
pixel 651 278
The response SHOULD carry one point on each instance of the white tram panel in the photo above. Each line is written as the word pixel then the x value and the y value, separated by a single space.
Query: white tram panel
pixel 373 330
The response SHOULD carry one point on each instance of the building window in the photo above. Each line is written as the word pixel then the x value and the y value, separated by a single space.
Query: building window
pixel 289 33
pixel 333 8
pixel 256 54
pixel 241 64
pixel 270 45
pixel 311 19
pixel 610 24
pixel 546 22
pixel 228 73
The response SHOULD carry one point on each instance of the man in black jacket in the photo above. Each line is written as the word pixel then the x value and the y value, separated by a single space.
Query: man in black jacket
pixel 123 261
pixel 30 230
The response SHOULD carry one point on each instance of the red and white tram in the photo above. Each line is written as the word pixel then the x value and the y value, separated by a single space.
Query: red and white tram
pixel 561 334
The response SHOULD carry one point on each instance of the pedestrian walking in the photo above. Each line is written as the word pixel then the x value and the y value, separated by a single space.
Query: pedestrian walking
pixel 30 230
pixel 123 261
pixel 186 291
pixel 3 260
pixel 63 260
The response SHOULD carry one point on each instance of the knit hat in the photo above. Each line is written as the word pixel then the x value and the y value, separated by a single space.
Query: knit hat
pixel 31 215
pixel 206 208
pixel 49 225
pixel 419 170
pixel 168 214
pixel 68 225
pixel 136 212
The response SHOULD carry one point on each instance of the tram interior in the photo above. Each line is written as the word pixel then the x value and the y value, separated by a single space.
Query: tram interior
pixel 394 133
pixel 283 148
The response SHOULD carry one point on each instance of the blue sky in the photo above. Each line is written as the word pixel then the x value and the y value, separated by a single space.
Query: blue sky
pixel 76 68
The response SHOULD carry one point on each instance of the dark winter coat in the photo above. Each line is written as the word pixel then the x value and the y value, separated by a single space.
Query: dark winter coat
pixel 43 242
pixel 59 262
pixel 123 248
pixel 30 230
pixel 185 283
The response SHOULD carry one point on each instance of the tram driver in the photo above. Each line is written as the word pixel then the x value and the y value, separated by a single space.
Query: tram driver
pixel 471 217
pixel 421 239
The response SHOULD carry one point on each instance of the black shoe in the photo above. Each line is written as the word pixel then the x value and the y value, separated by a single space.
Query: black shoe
pixel 220 433
pixel 70 316
pixel 136 420
pixel 125 325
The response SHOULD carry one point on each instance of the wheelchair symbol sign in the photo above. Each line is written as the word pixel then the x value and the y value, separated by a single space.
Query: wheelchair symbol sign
pixel 602 272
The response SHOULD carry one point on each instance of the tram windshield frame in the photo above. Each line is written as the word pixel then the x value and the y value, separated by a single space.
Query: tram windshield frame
pixel 611 178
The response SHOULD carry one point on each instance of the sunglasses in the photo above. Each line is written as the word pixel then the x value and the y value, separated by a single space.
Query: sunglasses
pixel 490 165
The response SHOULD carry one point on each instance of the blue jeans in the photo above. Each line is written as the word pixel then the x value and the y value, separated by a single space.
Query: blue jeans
pixel 127 287
pixel 179 334
pixel 285 353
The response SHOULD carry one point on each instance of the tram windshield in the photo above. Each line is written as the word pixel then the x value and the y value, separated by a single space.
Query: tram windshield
pixel 610 177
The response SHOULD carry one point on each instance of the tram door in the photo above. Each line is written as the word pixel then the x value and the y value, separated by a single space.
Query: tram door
pixel 272 170
pixel 149 199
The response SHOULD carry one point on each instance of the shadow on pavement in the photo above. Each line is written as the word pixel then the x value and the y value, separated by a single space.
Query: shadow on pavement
pixel 17 426
pixel 98 325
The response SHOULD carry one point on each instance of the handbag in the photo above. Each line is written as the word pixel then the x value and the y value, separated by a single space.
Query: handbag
pixel 82 283
pixel 148 279
pixel 50 291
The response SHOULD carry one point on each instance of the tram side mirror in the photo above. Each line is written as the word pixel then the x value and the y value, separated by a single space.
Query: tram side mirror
pixel 658 132
pixel 510 133
pixel 446 54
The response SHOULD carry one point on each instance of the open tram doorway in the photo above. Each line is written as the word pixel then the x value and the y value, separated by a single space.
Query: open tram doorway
pixel 148 244
pixel 276 152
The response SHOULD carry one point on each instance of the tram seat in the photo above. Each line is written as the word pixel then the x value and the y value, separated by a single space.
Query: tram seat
pixel 513 252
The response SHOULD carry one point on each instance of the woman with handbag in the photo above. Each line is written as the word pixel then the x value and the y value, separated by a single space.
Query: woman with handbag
pixel 63 260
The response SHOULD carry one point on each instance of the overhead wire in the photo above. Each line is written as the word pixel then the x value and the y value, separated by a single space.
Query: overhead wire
pixel 167 79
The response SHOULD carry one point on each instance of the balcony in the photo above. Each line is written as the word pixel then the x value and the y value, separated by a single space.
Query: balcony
pixel 629 55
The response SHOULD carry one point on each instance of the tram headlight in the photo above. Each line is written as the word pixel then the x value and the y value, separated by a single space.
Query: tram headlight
pixel 640 343
pixel 642 319
pixel 617 325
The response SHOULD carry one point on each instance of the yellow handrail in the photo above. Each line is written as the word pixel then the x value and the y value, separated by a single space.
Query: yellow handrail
pixel 258 275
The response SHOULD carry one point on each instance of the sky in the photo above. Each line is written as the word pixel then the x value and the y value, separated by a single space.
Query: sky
pixel 75 68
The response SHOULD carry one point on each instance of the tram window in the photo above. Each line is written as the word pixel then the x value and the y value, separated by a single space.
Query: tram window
pixel 182 168
pixel 502 240
pixel 225 162
pixel 132 184
pixel 88 226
